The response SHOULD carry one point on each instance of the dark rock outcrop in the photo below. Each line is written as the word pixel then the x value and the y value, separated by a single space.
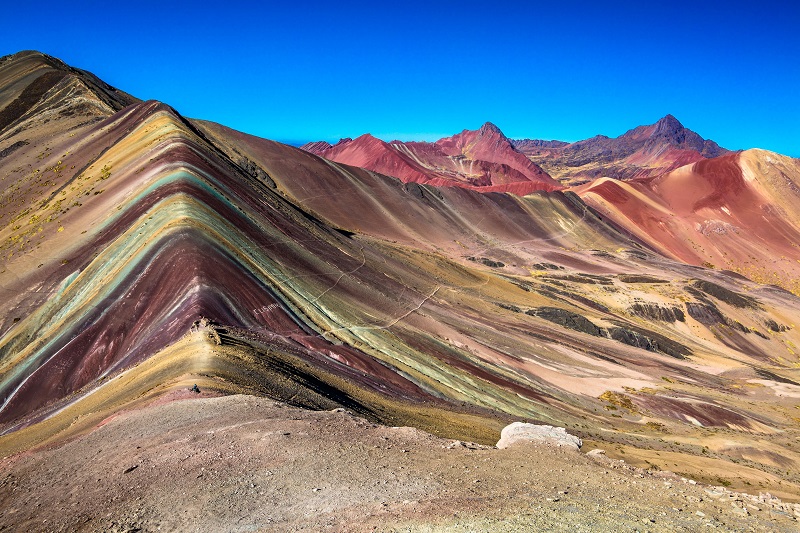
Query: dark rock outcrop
pixel 257 172
pixel 657 312
pixel 725 295
pixel 774 326
pixel 648 340
pixel 705 314
pixel 11 149
pixel 486 261
pixel 568 319
pixel 639 278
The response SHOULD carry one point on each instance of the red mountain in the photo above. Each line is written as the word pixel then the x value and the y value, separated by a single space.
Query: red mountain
pixel 737 212
pixel 483 159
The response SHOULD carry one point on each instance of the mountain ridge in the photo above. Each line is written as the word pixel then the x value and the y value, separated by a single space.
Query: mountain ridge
pixel 51 75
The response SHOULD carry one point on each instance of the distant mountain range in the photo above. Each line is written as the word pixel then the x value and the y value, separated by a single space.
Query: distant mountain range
pixel 451 286
pixel 641 152
pixel 487 160
pixel 697 191
pixel 483 159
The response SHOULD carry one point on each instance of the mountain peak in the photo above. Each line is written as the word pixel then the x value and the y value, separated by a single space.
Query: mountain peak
pixel 668 124
pixel 316 147
pixel 23 54
pixel 488 127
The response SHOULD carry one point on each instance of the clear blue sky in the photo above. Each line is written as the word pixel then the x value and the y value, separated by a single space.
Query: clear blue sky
pixel 298 71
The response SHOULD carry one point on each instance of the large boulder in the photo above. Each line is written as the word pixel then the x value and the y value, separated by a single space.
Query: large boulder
pixel 519 432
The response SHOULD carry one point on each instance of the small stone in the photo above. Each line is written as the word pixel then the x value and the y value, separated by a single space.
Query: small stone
pixel 740 511
pixel 701 514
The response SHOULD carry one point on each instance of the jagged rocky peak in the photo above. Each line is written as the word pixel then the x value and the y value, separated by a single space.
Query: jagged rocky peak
pixel 490 128
pixel 668 123
pixel 671 130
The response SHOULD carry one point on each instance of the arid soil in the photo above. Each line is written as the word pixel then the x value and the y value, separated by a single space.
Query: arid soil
pixel 192 462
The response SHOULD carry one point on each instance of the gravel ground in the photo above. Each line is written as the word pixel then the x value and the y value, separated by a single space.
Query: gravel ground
pixel 241 463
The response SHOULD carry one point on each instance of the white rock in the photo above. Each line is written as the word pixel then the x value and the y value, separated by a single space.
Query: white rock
pixel 519 432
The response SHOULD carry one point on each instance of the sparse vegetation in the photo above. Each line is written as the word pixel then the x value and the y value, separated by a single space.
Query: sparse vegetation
pixel 619 400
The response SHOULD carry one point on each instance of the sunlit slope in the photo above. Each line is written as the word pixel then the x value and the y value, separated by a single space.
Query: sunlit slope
pixel 166 243
pixel 451 219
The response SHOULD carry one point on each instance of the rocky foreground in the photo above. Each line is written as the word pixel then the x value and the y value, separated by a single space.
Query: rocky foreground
pixel 193 462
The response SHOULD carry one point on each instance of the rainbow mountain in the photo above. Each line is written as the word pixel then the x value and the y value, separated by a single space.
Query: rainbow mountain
pixel 142 252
